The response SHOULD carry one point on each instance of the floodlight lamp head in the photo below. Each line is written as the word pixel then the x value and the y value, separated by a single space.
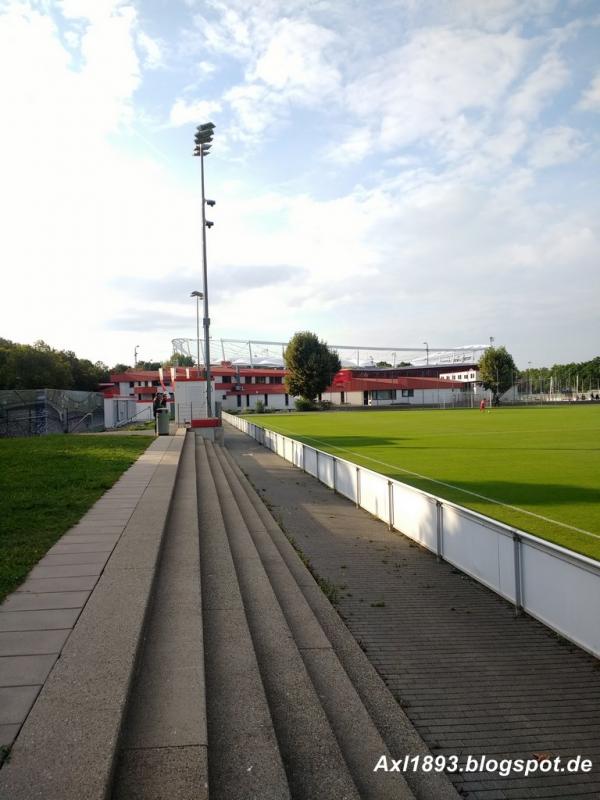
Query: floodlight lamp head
pixel 209 224
pixel 207 126
pixel 197 294
pixel 210 203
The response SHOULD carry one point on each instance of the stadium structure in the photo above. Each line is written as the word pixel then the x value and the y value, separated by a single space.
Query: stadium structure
pixel 255 353
pixel 246 374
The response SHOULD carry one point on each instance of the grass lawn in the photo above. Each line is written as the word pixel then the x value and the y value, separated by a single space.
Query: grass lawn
pixel 46 485
pixel 544 462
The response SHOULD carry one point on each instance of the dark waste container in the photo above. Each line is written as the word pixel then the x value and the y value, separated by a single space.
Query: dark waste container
pixel 162 421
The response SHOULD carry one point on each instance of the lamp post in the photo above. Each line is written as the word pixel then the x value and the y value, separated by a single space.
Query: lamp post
pixel 427 352
pixel 198 296
pixel 135 352
pixel 202 139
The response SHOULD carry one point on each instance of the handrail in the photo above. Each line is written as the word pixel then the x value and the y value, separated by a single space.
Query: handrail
pixel 88 414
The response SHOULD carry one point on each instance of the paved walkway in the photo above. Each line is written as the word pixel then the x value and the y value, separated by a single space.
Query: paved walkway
pixel 472 678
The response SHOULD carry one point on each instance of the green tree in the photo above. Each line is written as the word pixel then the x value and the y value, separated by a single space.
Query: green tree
pixel 311 365
pixel 383 364
pixel 180 360
pixel 497 371
pixel 149 365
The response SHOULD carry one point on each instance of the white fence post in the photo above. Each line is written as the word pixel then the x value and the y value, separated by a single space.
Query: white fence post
pixel 439 507
pixel 518 561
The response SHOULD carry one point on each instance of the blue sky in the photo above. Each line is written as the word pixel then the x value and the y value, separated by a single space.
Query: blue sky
pixel 386 172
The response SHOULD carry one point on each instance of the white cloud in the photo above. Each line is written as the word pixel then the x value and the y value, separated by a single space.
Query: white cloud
pixel 539 87
pixel 153 50
pixel 196 111
pixel 294 61
pixel 590 100
pixel 439 75
pixel 288 61
pixel 554 146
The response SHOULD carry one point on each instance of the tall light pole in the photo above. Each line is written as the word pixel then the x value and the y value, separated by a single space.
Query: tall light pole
pixel 198 296
pixel 427 352
pixel 135 352
pixel 202 139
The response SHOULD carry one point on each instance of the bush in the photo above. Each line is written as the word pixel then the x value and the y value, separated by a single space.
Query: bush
pixel 325 405
pixel 259 407
pixel 302 404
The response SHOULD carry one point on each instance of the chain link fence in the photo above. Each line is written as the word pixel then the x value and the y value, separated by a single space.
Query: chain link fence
pixel 36 412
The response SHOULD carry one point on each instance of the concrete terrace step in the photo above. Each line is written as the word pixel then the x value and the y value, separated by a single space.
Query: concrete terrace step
pixel 390 729
pixel 164 740
pixel 359 740
pixel 314 764
pixel 244 759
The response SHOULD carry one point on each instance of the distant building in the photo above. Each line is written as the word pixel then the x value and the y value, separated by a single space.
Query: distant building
pixel 237 388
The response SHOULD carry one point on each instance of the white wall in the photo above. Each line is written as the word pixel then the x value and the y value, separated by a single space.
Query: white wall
pixel 559 587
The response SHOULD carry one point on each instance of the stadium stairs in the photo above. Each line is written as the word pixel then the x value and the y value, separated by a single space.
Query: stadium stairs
pixel 237 678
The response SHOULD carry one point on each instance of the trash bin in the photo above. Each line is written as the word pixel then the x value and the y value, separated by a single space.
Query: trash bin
pixel 162 421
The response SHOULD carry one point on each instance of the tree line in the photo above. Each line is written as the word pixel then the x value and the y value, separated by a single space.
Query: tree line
pixel 39 366
pixel 583 375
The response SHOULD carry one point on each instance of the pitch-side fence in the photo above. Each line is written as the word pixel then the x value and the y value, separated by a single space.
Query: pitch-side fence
pixel 556 586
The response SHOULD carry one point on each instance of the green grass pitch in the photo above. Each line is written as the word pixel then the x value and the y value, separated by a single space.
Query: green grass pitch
pixel 537 469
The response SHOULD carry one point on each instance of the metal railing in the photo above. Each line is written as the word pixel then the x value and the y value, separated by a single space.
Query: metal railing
pixel 557 586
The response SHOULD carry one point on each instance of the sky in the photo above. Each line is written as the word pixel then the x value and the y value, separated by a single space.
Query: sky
pixel 385 173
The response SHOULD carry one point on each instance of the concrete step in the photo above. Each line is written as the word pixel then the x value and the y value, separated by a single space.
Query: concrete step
pixel 164 742
pixel 358 738
pixel 396 730
pixel 314 764
pixel 244 759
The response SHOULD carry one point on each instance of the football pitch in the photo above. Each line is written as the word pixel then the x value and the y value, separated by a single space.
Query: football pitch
pixel 537 469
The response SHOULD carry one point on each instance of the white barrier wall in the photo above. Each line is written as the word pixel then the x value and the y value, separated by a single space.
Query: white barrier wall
pixel 556 586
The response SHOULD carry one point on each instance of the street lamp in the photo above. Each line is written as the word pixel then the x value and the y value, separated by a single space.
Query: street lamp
pixel 198 296
pixel 427 352
pixel 202 140
pixel 135 352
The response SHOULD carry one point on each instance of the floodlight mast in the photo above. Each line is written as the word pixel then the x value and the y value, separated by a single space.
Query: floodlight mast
pixel 203 139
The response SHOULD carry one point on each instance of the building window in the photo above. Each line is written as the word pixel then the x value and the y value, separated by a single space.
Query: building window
pixel 276 379
pixel 225 378
pixel 266 399
pixel 287 399
pixel 342 397
pixel 239 401
pixel 260 379
pixel 408 392
pixel 247 401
